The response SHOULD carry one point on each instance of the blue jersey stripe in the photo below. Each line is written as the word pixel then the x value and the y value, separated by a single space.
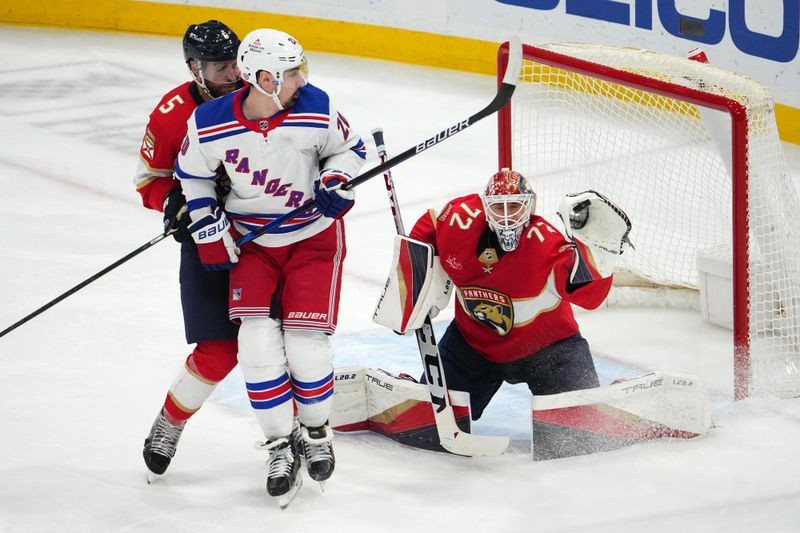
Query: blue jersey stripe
pixel 222 135
pixel 304 125
pixel 199 203
pixel 186 176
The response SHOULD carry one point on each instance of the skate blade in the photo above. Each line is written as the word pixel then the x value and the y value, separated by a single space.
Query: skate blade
pixel 151 477
pixel 285 499
pixel 322 485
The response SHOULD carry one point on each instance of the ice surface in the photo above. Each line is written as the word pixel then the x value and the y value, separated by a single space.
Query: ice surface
pixel 82 382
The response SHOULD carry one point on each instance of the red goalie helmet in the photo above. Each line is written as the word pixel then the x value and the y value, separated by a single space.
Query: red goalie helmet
pixel 509 202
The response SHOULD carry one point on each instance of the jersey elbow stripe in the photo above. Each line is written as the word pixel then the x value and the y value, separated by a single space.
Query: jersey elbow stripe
pixel 360 149
pixel 186 176
pixel 199 203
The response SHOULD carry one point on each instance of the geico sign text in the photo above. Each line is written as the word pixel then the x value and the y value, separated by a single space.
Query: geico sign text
pixel 710 30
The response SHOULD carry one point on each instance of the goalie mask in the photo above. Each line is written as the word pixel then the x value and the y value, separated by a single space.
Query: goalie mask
pixel 275 52
pixel 509 203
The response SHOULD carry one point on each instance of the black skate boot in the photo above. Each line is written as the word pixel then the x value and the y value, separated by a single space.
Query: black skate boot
pixel 160 445
pixel 283 467
pixel 297 437
pixel 318 451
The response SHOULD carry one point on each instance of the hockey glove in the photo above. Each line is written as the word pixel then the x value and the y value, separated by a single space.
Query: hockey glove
pixel 332 201
pixel 215 244
pixel 594 220
pixel 176 216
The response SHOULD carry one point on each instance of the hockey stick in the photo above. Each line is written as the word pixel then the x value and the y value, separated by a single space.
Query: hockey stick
pixel 84 283
pixel 451 437
pixel 503 96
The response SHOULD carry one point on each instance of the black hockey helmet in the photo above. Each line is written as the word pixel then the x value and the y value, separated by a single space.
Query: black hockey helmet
pixel 210 41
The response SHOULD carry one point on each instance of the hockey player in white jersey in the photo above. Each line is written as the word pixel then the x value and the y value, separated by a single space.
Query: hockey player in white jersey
pixel 282 143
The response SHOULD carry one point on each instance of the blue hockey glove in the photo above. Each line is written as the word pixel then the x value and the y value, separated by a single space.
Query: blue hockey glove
pixel 332 201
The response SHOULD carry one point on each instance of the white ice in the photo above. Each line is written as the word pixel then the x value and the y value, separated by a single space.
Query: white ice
pixel 82 382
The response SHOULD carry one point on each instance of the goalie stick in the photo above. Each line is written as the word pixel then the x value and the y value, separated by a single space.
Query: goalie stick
pixel 503 96
pixel 451 437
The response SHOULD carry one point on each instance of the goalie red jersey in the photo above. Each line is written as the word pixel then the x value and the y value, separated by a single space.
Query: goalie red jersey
pixel 510 305
pixel 162 142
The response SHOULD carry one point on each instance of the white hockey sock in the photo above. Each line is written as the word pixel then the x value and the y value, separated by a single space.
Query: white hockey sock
pixel 187 394
pixel 310 358
pixel 263 364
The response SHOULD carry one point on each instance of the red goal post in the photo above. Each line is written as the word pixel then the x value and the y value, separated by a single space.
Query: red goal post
pixel 692 153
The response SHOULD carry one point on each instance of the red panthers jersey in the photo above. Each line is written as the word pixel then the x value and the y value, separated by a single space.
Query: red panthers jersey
pixel 162 142
pixel 510 304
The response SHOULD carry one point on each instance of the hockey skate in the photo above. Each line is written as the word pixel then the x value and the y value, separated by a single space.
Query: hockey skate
pixel 160 446
pixel 283 468
pixel 297 437
pixel 318 451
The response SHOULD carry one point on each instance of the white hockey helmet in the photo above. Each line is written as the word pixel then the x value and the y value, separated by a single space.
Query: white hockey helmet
pixel 509 202
pixel 273 51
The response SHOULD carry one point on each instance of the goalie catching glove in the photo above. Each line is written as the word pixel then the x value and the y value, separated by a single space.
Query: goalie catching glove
pixel 592 219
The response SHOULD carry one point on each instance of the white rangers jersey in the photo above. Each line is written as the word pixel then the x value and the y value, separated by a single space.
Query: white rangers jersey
pixel 272 163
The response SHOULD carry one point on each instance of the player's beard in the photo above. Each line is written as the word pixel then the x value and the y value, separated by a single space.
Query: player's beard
pixel 292 99
pixel 221 89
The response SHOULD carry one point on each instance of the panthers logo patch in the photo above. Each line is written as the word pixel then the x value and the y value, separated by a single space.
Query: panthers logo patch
pixel 493 309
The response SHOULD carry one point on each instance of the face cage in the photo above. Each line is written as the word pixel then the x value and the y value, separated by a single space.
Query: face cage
pixel 509 219
pixel 510 225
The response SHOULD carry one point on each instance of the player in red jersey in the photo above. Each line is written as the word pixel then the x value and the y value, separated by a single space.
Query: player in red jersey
pixel 210 53
pixel 515 276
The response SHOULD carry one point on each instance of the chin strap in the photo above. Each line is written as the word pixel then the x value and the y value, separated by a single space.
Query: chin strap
pixel 274 95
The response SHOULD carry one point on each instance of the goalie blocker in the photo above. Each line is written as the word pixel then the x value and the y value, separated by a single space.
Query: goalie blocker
pixel 417 286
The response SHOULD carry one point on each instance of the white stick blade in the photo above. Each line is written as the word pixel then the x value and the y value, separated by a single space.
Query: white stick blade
pixel 471 445
pixel 514 61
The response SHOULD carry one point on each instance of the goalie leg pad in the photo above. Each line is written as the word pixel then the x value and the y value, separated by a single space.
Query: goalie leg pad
pixel 394 406
pixel 400 409
pixel 349 409
pixel 656 405
pixel 416 286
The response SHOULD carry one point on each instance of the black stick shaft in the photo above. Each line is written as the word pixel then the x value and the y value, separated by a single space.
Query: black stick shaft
pixel 84 283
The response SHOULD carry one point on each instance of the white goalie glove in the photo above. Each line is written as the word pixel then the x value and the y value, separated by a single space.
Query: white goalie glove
pixel 594 220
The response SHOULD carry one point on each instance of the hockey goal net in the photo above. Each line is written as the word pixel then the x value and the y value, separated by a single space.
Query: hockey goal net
pixel 691 152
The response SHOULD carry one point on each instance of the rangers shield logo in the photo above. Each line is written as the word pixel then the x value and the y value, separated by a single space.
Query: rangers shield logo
pixel 493 309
